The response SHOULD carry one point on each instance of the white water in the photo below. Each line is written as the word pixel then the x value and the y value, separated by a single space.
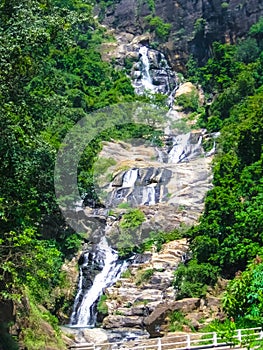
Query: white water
pixel 183 149
pixel 146 78
pixel 80 286
pixel 148 195
pixel 129 178
pixel 111 271
pixel 212 151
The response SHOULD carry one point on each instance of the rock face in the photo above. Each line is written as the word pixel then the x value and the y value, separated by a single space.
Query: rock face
pixel 195 24
pixel 155 187
pixel 169 190
pixel 167 186
pixel 143 288
pixel 144 298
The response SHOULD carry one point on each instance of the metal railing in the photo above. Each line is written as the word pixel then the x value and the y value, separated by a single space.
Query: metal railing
pixel 246 338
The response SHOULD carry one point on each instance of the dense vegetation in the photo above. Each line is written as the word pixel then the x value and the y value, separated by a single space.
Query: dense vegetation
pixel 229 234
pixel 51 76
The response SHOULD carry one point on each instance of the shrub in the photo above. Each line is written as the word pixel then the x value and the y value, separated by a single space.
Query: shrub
pixel 161 29
pixel 193 279
pixel 177 320
pixel 102 306
pixel 199 26
pixel 224 5
pixel 189 101
pixel 144 276
pixel 133 219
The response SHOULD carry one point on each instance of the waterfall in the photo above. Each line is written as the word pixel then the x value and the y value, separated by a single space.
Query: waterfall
pixel 152 73
pixel 148 195
pixel 146 78
pixel 183 149
pixel 129 178
pixel 84 313
pixel 212 151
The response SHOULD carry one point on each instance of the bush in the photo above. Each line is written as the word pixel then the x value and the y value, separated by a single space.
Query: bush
pixel 189 101
pixel 247 50
pixel 133 219
pixel 224 5
pixel 161 29
pixel 144 276
pixel 193 279
pixel 199 26
pixel 102 306
pixel 177 320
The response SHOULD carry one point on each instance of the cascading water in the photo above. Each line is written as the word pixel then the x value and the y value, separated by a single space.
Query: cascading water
pixel 101 268
pixel 129 178
pixel 84 311
pixel 146 78
pixel 148 195
pixel 153 74
pixel 183 149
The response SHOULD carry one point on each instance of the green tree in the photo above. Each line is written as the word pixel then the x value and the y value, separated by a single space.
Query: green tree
pixel 244 296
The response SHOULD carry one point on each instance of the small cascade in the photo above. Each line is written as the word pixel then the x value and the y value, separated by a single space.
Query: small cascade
pixel 129 178
pixel 152 73
pixel 212 150
pixel 184 148
pixel 146 78
pixel 148 195
pixel 84 313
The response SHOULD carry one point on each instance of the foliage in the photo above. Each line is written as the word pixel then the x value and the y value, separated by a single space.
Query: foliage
pixel 224 5
pixel 159 27
pixel 151 4
pixel 177 321
pixel 126 274
pixel 220 69
pixel 129 235
pixel 199 26
pixel 102 164
pixel 31 261
pixel 229 234
pixel 144 276
pixel 256 31
pixel 157 239
pixel 226 330
pixel 34 335
pixel 102 305
pixel 51 76
pixel 132 219
pixel 247 50
pixel 193 279
pixel 189 101
pixel 244 296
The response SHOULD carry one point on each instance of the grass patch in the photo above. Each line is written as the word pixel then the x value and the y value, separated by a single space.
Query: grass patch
pixel 144 276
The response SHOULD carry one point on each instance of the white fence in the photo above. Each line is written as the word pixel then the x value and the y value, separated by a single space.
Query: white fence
pixel 246 338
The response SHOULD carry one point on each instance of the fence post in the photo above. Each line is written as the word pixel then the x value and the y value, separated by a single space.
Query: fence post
pixel 188 341
pixel 239 335
pixel 159 344
pixel 214 339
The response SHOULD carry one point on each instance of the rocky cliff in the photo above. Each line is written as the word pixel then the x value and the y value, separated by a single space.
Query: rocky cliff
pixel 167 186
pixel 195 24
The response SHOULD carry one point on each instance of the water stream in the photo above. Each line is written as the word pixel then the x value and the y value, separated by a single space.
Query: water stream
pixel 146 78
pixel 100 267
pixel 84 310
